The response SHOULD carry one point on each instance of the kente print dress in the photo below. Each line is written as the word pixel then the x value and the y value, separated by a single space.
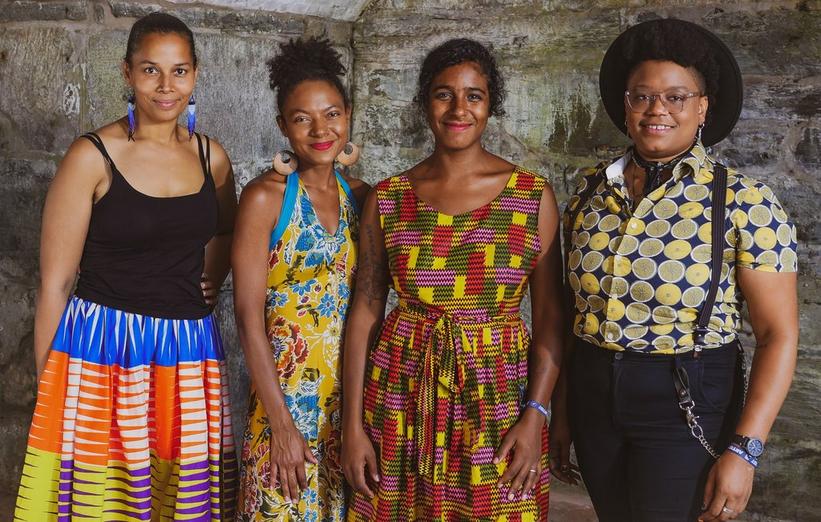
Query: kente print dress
pixel 133 419
pixel 310 274
pixel 447 377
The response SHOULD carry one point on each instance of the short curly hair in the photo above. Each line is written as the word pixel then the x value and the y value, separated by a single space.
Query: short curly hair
pixel 302 60
pixel 456 51
pixel 669 40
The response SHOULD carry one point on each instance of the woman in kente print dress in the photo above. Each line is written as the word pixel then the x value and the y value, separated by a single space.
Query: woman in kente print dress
pixel 294 258
pixel 444 406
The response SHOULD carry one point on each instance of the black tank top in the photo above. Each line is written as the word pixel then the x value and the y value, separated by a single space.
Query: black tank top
pixel 146 254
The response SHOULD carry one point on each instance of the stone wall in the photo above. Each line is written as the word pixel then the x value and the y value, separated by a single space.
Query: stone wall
pixel 60 72
pixel 550 52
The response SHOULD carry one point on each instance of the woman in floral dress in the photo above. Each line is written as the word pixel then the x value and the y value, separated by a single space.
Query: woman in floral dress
pixel 294 258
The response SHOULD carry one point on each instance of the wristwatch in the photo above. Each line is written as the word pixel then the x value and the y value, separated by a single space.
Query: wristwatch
pixel 751 445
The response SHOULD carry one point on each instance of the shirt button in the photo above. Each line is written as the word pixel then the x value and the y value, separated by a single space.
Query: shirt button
pixel 618 356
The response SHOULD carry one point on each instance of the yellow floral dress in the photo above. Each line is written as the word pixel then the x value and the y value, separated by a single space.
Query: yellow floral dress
pixel 310 273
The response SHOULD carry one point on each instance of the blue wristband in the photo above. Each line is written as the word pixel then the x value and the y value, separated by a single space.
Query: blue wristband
pixel 743 454
pixel 538 407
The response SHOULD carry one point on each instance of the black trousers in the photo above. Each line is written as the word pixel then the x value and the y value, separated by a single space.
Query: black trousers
pixel 636 454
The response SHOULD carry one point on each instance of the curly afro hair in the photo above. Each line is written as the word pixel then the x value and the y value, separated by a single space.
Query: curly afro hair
pixel 670 40
pixel 301 60
pixel 456 51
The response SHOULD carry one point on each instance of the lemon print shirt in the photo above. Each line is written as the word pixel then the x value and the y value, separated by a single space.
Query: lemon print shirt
pixel 640 277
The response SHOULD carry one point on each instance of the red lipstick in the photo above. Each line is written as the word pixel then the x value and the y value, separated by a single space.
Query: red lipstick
pixel 324 145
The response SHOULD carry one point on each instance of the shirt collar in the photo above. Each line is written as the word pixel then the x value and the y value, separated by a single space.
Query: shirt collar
pixel 690 164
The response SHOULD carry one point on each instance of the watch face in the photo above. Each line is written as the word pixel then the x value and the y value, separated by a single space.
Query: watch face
pixel 755 447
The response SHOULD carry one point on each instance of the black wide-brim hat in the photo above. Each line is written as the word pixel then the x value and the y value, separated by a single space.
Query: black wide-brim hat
pixel 725 106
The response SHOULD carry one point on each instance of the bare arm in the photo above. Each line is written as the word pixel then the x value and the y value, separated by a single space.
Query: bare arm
pixel 66 217
pixel 249 257
pixel 773 304
pixel 364 320
pixel 545 354
pixel 217 252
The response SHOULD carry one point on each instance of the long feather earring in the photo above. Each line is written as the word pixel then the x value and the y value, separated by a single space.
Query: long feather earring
pixel 192 116
pixel 132 120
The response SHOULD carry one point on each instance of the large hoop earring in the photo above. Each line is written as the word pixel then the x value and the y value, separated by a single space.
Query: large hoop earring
pixel 349 154
pixel 285 162
pixel 132 120
pixel 192 116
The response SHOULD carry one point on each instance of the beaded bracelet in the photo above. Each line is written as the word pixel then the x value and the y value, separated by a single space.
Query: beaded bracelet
pixel 743 454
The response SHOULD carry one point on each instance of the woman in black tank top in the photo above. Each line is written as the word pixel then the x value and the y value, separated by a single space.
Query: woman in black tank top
pixel 132 414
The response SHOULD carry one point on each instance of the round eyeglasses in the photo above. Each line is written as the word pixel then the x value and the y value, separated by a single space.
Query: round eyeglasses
pixel 673 101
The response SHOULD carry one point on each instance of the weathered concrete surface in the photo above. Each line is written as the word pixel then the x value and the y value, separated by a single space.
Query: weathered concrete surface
pixel 347 10
pixel 550 52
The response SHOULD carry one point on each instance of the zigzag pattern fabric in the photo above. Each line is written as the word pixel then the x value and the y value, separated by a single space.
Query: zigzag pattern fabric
pixel 132 422
pixel 447 377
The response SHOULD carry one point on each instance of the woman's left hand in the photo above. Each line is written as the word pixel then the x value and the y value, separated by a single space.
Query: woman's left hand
pixel 728 488
pixel 209 291
pixel 525 440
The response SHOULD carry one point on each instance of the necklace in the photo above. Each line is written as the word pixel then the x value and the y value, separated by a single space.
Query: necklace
pixel 653 170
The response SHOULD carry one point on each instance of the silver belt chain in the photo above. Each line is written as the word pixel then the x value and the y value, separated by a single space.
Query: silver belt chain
pixel 687 405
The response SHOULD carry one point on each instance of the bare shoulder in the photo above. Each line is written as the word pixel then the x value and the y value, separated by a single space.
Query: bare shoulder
pixel 265 191
pixel 83 163
pixel 220 162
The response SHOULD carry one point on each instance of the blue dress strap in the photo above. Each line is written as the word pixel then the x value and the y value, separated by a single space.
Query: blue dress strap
pixel 348 191
pixel 288 202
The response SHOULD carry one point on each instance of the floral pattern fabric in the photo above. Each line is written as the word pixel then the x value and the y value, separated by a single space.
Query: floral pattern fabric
pixel 310 273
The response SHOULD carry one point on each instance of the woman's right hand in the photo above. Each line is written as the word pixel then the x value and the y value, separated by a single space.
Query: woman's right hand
pixel 289 452
pixel 357 455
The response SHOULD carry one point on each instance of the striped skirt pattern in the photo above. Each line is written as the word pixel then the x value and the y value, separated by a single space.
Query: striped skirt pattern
pixel 132 422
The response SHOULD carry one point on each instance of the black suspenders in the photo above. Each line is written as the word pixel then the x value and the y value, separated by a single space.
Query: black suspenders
pixel 680 378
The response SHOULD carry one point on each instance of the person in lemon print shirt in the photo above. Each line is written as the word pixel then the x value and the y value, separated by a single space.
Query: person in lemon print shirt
pixel 294 258
pixel 646 327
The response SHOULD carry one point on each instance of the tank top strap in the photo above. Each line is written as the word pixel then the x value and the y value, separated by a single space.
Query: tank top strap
pixel 98 142
pixel 204 153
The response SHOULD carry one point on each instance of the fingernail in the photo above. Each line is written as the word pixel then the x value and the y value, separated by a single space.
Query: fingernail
pixel 510 496
pixel 495 460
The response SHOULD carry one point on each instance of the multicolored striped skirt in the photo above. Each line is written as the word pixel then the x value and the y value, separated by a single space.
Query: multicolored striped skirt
pixel 132 422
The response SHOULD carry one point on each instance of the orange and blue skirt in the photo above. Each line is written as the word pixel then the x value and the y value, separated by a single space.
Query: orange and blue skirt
pixel 132 422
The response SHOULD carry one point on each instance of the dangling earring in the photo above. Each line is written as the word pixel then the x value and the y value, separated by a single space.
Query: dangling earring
pixel 132 120
pixel 349 154
pixel 192 116
pixel 285 162
pixel 698 132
